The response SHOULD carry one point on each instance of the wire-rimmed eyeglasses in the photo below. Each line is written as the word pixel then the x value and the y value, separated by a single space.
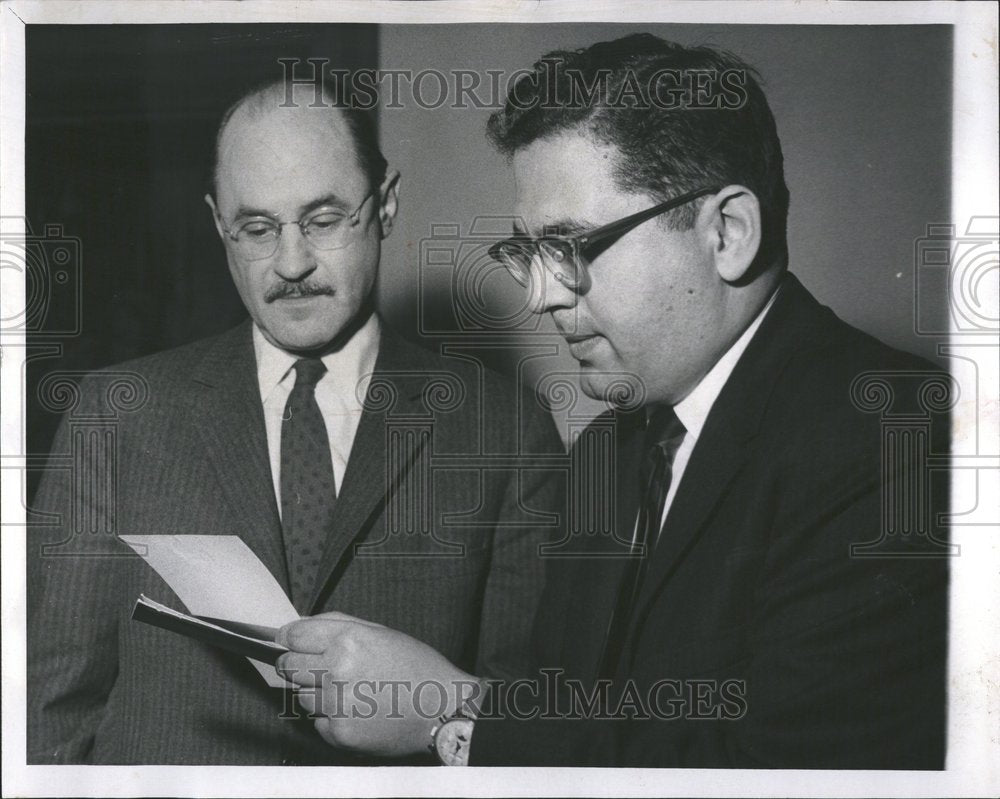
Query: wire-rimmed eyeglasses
pixel 325 228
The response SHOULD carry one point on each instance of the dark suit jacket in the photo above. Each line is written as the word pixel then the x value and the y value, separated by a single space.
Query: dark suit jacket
pixel 190 456
pixel 811 655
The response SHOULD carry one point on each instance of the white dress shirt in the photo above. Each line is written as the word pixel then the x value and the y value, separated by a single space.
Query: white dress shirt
pixel 693 410
pixel 340 394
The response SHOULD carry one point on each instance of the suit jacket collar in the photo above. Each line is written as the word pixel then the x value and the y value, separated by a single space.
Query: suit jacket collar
pixel 345 366
pixel 734 421
pixel 394 393
pixel 226 411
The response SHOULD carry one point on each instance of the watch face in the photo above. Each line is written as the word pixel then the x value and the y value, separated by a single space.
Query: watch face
pixel 452 742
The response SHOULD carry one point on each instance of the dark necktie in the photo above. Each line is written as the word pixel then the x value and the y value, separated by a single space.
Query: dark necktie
pixel 308 490
pixel 664 434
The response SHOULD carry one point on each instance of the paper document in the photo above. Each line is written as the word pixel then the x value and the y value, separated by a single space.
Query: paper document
pixel 243 639
pixel 219 577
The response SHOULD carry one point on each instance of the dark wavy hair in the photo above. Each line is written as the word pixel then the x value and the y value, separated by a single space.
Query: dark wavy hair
pixel 669 143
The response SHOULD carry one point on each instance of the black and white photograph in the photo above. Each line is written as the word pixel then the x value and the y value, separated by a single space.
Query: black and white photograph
pixel 551 398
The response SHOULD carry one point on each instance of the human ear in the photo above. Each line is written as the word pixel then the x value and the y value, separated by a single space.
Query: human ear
pixel 216 216
pixel 731 219
pixel 388 194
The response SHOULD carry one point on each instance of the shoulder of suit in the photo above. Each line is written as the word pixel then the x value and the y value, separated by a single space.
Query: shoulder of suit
pixel 813 389
pixel 838 354
pixel 473 373
pixel 184 355
pixel 821 404
pixel 504 411
pixel 163 373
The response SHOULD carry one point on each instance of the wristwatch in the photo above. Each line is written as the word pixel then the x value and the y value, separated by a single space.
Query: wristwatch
pixel 451 738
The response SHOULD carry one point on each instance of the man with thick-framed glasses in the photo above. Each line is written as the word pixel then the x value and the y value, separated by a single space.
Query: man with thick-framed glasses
pixel 565 256
pixel 761 613
pixel 307 431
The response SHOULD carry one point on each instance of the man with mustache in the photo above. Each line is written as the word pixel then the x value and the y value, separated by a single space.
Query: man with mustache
pixel 307 431
pixel 752 606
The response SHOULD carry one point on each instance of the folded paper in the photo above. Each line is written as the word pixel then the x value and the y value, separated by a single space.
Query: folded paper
pixel 218 577
pixel 222 634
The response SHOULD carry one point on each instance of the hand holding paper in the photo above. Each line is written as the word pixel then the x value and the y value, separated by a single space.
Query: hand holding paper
pixel 372 689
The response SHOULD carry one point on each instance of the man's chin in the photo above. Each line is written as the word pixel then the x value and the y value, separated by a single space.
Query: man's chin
pixel 590 384
pixel 303 341
pixel 615 389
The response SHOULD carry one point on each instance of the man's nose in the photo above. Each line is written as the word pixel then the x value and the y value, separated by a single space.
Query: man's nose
pixel 296 257
pixel 546 291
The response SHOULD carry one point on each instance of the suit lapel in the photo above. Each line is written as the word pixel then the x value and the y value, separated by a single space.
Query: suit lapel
pixel 227 414
pixel 720 452
pixel 394 392
pixel 629 429
pixel 600 574
pixel 724 444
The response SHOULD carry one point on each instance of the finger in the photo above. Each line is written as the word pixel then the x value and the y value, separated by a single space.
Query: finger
pixel 326 730
pixel 336 615
pixel 343 737
pixel 304 669
pixel 308 702
pixel 320 703
pixel 311 635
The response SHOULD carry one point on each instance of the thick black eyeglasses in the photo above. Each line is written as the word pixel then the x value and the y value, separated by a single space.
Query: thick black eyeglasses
pixel 566 256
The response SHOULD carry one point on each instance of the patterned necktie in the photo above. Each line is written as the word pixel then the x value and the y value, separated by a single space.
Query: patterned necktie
pixel 308 490
pixel 664 434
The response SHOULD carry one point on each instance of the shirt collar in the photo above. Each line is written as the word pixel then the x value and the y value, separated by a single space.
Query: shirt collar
pixel 694 408
pixel 349 364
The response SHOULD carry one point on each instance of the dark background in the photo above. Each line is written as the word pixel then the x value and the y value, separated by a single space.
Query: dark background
pixel 120 127
pixel 121 122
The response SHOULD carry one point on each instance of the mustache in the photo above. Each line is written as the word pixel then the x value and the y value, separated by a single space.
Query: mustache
pixel 280 291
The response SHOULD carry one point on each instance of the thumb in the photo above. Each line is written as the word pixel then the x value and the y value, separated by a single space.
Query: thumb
pixel 314 633
pixel 336 615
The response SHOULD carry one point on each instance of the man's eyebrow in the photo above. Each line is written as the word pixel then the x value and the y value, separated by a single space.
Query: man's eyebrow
pixel 569 227
pixel 331 199
pixel 246 210
pixel 562 227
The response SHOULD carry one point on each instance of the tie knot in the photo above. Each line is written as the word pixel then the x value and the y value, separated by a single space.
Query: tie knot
pixel 664 429
pixel 308 371
pixel 664 433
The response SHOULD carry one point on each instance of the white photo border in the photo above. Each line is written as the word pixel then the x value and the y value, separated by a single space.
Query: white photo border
pixel 973 766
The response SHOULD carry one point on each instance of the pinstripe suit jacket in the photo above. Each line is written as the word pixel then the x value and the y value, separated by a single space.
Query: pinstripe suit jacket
pixel 175 444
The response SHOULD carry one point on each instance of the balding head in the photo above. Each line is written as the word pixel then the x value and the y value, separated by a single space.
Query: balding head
pixel 286 97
